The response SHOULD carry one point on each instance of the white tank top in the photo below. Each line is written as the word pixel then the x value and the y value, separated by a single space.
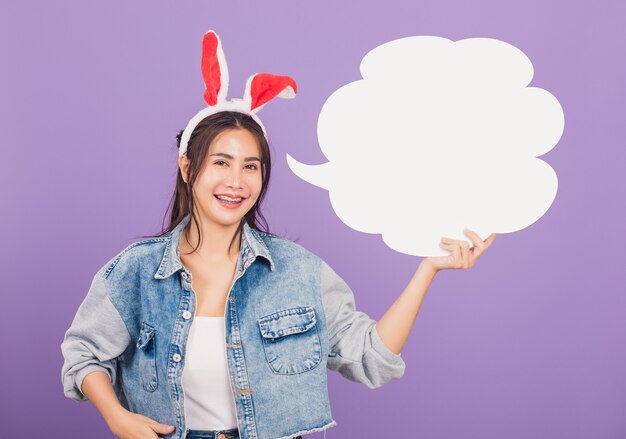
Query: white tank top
pixel 209 402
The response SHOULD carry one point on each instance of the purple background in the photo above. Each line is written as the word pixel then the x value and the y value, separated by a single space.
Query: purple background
pixel 529 343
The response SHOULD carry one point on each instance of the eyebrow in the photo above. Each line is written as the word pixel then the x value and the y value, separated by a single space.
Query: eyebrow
pixel 228 156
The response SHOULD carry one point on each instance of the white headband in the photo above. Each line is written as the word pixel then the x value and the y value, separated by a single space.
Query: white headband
pixel 260 89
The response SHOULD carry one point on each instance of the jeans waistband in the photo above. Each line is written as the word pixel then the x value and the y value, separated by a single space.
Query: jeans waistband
pixel 213 434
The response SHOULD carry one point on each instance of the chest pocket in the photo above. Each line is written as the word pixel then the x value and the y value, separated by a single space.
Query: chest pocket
pixel 291 340
pixel 147 357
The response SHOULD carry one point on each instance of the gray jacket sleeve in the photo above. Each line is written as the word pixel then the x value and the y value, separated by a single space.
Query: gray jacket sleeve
pixel 356 349
pixel 97 336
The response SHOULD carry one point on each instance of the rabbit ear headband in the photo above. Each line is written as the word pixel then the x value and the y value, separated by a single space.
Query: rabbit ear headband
pixel 260 89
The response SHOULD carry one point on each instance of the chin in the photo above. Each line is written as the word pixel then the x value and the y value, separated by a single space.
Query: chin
pixel 228 221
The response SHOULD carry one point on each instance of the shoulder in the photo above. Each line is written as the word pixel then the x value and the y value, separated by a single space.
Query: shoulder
pixel 137 256
pixel 280 245
pixel 283 249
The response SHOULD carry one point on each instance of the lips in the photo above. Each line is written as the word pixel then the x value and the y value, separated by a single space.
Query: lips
pixel 230 201
pixel 229 198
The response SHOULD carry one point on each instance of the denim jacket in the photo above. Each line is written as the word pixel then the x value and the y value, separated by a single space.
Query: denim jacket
pixel 288 317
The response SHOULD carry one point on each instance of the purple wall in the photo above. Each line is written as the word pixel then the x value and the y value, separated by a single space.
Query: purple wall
pixel 529 343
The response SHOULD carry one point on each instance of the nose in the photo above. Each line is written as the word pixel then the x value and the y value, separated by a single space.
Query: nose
pixel 234 178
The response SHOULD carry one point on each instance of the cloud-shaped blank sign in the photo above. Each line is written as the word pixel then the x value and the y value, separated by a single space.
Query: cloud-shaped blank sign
pixel 438 136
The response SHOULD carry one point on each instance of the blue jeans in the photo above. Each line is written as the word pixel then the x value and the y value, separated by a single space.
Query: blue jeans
pixel 220 434
pixel 214 434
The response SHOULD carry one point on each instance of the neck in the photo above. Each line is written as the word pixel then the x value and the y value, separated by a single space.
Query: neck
pixel 215 240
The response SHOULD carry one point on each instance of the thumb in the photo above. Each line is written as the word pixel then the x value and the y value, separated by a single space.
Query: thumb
pixel 162 428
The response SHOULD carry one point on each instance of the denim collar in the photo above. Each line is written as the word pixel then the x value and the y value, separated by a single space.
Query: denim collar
pixel 252 246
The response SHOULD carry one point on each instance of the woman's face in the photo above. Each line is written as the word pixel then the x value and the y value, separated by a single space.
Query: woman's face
pixel 230 181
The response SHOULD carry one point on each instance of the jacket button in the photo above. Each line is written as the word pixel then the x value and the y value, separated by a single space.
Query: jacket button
pixel 176 357
pixel 186 315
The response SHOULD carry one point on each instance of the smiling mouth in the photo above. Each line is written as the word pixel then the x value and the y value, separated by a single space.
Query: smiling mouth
pixel 230 200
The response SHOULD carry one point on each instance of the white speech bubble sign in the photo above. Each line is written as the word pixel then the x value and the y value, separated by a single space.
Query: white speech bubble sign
pixel 438 136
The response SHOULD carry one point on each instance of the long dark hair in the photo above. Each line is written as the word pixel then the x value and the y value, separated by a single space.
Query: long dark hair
pixel 201 138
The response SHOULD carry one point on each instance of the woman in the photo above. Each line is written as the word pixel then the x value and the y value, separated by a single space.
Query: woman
pixel 217 329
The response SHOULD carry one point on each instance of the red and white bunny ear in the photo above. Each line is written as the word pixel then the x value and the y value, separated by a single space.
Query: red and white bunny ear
pixel 214 69
pixel 263 87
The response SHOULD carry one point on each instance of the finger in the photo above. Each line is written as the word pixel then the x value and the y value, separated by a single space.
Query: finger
pixel 478 242
pixel 464 251
pixel 449 247
pixel 455 257
pixel 479 246
pixel 489 240
pixel 460 242
pixel 458 255
pixel 162 428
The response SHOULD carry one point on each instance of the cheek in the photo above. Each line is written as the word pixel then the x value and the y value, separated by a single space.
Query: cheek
pixel 207 182
pixel 258 185
pixel 202 189
pixel 254 182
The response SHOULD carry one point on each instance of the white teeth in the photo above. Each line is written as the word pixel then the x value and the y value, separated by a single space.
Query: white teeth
pixel 229 200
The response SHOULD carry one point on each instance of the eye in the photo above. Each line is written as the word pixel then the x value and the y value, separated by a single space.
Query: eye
pixel 220 162
pixel 252 166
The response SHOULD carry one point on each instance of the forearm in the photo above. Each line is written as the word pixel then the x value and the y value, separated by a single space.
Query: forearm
pixel 98 389
pixel 395 325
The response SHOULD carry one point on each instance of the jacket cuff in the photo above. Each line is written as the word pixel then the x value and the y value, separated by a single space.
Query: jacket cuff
pixel 381 348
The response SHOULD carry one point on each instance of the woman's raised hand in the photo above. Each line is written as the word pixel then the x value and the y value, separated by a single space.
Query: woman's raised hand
pixel 128 425
pixel 461 255
pixel 395 325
